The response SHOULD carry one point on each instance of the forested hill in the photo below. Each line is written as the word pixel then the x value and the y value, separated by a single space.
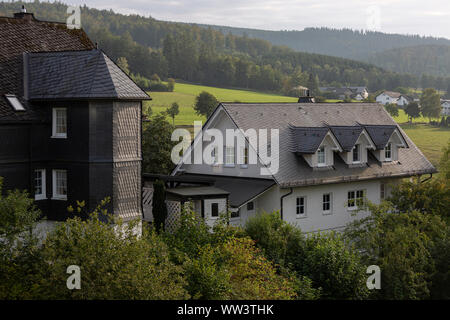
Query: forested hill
pixel 433 59
pixel 346 43
pixel 204 55
pixel 391 51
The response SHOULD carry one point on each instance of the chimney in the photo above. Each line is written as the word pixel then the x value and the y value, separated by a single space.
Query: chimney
pixel 307 98
pixel 24 15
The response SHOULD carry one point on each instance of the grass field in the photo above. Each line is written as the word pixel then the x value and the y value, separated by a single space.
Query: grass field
pixel 429 139
pixel 184 95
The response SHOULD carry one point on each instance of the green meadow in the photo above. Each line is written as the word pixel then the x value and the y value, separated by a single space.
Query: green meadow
pixel 431 140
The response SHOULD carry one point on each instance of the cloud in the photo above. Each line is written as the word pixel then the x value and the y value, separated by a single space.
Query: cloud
pixel 395 16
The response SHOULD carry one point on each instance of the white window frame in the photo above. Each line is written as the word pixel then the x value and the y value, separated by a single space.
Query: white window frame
pixel 215 156
pixel 43 194
pixel 357 147
pixel 324 152
pixel 329 211
pixel 355 199
pixel 247 205
pixel 388 148
pixel 298 206
pixel 55 134
pixel 230 156
pixel 56 195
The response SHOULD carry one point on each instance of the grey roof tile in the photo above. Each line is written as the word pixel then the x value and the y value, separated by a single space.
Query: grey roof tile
pixel 78 75
pixel 292 169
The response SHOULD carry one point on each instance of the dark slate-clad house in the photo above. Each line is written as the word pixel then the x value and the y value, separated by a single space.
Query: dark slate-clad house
pixel 70 120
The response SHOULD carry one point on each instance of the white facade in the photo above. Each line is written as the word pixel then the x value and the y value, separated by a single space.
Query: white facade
pixel 445 108
pixel 384 99
pixel 315 218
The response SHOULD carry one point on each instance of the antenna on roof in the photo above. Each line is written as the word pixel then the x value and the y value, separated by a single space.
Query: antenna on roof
pixel 96 45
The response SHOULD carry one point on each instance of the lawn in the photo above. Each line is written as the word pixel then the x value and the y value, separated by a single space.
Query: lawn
pixel 184 95
pixel 430 140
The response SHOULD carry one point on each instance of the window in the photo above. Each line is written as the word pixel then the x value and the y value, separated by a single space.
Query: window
pixel 382 191
pixel 14 102
pixel 59 123
pixel 235 213
pixel 229 156
pixel 355 199
pixel 356 153
pixel 326 203
pixel 388 152
pixel 250 206
pixel 214 210
pixel 60 184
pixel 244 157
pixel 215 156
pixel 39 184
pixel 321 156
pixel 301 206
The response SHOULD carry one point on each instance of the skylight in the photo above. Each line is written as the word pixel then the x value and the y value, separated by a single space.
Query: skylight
pixel 14 102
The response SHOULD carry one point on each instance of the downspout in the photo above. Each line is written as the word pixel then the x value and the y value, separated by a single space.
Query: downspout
pixel 431 176
pixel 281 201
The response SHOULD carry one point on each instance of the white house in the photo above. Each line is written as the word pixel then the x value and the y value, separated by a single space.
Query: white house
pixel 388 97
pixel 404 100
pixel 329 157
pixel 445 107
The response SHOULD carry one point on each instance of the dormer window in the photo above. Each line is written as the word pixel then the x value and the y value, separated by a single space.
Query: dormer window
pixel 356 153
pixel 229 157
pixel 321 158
pixel 388 152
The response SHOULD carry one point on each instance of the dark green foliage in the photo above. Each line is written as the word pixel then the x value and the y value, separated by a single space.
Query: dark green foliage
pixel 173 111
pixel 408 248
pixel 430 102
pixel 327 260
pixel 412 110
pixel 392 108
pixel 157 145
pixel 205 103
pixel 159 208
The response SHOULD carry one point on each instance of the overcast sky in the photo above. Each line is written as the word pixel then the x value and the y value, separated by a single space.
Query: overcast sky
pixel 430 17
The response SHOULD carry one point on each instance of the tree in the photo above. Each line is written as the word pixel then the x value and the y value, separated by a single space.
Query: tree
pixel 173 111
pixel 412 110
pixel 159 207
pixel 171 84
pixel 313 84
pixel 447 93
pixel 205 103
pixel 392 108
pixel 331 264
pixel 405 247
pixel 157 145
pixel 122 62
pixel 430 103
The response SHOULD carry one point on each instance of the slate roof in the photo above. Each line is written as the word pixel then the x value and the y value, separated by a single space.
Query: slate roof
pixel 380 134
pixel 347 136
pixel 241 190
pixel 306 139
pixel 293 171
pixel 392 94
pixel 78 75
pixel 26 34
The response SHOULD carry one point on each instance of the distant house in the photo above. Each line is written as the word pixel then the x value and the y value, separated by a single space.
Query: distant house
pixel 331 156
pixel 388 97
pixel 404 100
pixel 445 107
pixel 357 93
pixel 70 120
